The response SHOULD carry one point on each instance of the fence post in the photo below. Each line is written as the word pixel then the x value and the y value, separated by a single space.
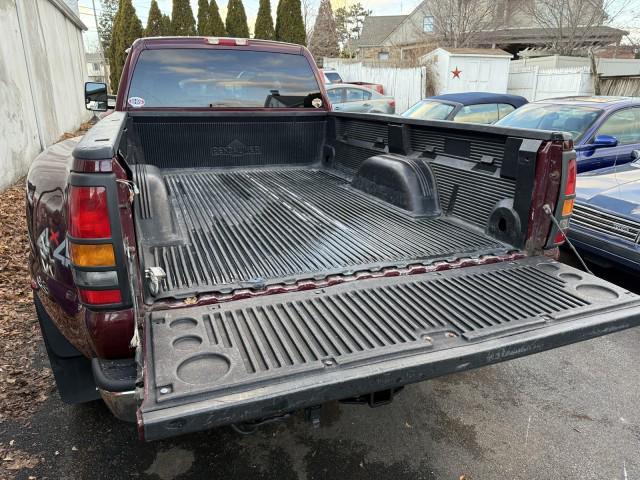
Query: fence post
pixel 534 88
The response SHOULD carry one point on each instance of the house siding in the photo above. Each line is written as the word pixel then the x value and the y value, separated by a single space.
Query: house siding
pixel 410 31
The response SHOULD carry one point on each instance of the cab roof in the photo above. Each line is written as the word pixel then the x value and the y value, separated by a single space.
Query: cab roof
pixel 200 41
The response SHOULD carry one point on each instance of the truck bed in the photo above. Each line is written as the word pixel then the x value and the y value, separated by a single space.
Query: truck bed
pixel 253 227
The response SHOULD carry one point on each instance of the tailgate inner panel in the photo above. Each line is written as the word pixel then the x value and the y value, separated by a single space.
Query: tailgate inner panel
pixel 202 352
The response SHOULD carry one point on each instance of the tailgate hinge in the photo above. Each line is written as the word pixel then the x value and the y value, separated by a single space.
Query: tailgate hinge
pixel 154 275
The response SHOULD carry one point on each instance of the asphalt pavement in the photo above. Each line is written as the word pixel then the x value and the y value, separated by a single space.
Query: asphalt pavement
pixel 572 412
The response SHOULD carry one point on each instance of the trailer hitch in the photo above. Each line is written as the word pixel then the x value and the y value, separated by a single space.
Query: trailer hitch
pixel 373 399
pixel 247 428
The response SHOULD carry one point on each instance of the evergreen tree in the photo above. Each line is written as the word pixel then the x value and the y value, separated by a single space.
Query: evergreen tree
pixel 105 23
pixel 203 17
pixel 289 23
pixel 324 39
pixel 236 20
pixel 165 25
pixel 182 21
pixel 216 27
pixel 264 23
pixel 126 28
pixel 154 21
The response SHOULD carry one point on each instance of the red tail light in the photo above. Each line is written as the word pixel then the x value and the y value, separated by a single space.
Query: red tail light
pixel 559 238
pixel 572 172
pixel 227 41
pixel 100 297
pixel 392 103
pixel 88 212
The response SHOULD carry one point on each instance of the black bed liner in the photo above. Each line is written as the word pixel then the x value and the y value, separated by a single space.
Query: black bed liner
pixel 227 363
pixel 254 227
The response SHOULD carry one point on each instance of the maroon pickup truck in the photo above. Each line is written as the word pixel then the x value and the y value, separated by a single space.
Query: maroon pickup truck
pixel 224 250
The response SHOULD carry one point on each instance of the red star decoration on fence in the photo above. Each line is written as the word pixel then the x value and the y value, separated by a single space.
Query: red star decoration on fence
pixel 456 73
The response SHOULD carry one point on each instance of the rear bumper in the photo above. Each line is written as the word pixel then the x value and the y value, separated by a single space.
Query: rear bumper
pixel 116 382
pixel 273 399
pixel 121 404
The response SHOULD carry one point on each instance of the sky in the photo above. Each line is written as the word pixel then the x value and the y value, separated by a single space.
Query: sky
pixel 627 19
pixel 379 7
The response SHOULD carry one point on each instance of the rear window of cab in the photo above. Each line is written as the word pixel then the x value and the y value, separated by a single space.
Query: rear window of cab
pixel 222 78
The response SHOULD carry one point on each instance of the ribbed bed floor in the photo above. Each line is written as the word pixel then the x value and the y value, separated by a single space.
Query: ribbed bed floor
pixel 253 227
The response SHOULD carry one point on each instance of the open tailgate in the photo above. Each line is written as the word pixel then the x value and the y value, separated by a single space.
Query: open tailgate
pixel 237 361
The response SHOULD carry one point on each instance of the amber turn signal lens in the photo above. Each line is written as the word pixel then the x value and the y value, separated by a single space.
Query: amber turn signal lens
pixel 90 255
pixel 567 207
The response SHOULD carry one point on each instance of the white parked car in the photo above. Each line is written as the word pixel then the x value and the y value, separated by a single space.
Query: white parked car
pixel 345 97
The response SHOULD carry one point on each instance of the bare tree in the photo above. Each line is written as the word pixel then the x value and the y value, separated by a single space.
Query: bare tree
pixel 324 39
pixel 308 17
pixel 349 22
pixel 573 24
pixel 105 23
pixel 461 23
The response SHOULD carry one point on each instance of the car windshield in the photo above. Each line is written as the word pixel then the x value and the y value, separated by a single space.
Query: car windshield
pixel 222 78
pixel 546 116
pixel 429 110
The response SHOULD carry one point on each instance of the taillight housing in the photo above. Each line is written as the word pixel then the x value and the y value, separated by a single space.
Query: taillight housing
pixel 567 196
pixel 89 212
pixel 572 177
pixel 92 225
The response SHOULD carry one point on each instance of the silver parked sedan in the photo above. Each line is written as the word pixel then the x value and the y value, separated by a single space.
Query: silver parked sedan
pixel 353 98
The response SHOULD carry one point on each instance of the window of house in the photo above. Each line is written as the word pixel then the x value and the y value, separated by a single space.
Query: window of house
pixel 96 66
pixel 427 24
pixel 384 56
pixel 482 113
pixel 624 125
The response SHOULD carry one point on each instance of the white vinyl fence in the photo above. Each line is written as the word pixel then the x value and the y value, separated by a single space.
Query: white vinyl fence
pixel 535 83
pixel 406 85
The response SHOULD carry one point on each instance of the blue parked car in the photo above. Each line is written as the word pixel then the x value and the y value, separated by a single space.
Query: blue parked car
pixel 605 225
pixel 606 130
pixel 468 107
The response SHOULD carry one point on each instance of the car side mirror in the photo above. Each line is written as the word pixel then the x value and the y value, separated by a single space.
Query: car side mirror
pixel 95 97
pixel 604 141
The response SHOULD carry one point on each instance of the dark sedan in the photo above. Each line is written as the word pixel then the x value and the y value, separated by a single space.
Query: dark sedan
pixel 605 225
pixel 469 107
pixel 606 130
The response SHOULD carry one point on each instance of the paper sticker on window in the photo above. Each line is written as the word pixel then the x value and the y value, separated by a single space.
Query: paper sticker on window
pixel 136 102
pixel 316 102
